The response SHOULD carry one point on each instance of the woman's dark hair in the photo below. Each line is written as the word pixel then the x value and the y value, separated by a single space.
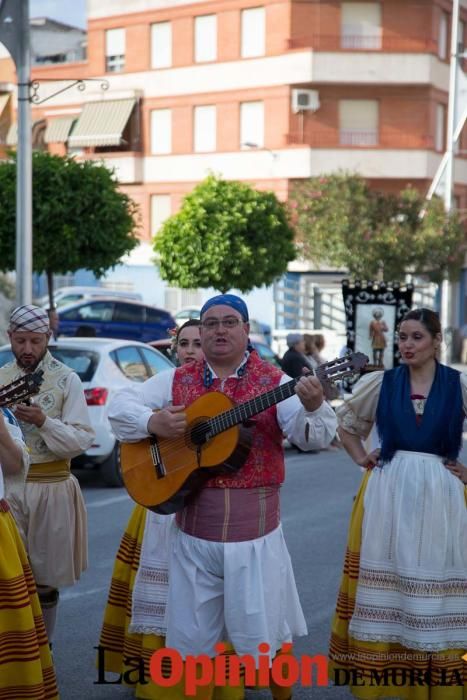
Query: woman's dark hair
pixel 187 324
pixel 427 318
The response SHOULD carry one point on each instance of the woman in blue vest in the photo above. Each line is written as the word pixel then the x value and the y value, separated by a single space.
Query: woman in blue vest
pixel 400 628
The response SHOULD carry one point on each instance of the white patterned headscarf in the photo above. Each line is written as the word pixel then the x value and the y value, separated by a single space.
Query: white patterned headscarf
pixel 29 318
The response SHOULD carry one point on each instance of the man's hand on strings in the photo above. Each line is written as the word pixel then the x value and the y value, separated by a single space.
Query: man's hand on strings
pixel 170 422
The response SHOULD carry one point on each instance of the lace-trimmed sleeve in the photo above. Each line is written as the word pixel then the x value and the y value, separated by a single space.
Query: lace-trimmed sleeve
pixel 357 414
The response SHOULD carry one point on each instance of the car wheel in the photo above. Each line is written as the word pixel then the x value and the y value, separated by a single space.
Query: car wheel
pixel 111 468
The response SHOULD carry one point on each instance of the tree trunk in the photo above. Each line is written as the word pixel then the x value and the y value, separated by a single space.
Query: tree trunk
pixel 50 289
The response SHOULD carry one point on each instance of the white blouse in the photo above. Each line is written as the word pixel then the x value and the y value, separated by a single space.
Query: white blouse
pixel 357 415
pixel 14 482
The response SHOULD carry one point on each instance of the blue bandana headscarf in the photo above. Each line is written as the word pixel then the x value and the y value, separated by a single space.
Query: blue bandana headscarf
pixel 227 300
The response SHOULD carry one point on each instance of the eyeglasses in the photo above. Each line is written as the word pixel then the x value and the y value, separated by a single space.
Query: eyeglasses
pixel 212 324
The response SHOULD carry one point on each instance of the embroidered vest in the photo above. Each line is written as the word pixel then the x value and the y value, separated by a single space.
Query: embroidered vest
pixel 265 462
pixel 49 398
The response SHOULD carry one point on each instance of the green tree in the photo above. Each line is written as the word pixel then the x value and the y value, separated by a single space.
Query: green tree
pixel 226 235
pixel 341 222
pixel 80 217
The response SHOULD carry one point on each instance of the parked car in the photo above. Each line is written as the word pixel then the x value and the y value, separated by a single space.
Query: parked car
pixel 103 365
pixel 68 295
pixel 110 318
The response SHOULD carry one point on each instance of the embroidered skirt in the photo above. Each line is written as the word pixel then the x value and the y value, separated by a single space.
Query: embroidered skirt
pixel 26 669
pixel 116 638
pixel 403 573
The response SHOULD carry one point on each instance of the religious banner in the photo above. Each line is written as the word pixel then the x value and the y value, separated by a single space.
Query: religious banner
pixel 373 311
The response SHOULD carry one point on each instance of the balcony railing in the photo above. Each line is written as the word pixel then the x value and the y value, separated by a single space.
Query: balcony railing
pixel 359 138
pixel 368 42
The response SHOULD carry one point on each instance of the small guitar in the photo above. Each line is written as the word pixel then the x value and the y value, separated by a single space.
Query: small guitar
pixel 21 389
pixel 162 474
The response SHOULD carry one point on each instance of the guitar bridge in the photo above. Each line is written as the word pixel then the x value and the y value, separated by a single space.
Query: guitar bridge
pixel 157 460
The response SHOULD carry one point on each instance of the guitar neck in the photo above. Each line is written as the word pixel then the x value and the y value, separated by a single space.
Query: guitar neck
pixel 336 369
pixel 247 410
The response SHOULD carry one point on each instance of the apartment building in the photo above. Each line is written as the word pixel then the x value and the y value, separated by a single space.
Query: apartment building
pixel 267 91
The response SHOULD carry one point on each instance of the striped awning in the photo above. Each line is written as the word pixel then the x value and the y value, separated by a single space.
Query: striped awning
pixel 58 129
pixel 4 101
pixel 101 123
pixel 12 135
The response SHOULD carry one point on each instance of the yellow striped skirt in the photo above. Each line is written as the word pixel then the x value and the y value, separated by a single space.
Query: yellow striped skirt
pixel 26 668
pixel 384 669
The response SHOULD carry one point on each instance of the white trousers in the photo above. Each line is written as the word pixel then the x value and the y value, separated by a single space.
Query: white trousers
pixel 243 592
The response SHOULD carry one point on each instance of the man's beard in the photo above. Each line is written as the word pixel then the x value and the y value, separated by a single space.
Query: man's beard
pixel 32 366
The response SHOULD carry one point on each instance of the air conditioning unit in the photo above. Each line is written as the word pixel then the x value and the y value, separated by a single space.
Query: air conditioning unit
pixel 305 100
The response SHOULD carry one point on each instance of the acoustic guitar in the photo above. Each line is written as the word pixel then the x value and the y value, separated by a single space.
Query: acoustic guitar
pixel 162 474
pixel 21 389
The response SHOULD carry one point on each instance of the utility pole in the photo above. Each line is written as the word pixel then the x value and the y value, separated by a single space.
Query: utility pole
pixel 14 34
pixel 449 176
pixel 446 167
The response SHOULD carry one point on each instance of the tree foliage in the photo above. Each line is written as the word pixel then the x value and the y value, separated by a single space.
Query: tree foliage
pixel 80 217
pixel 341 222
pixel 226 235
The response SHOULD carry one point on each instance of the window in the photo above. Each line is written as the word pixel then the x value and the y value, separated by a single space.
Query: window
pixel 358 122
pixel 161 209
pixel 128 313
pixel 155 362
pixel 253 32
pixel 440 127
pixel 156 315
pixel 460 36
pixel 161 45
pixel 114 50
pixel 361 25
pixel 205 38
pixel 204 129
pixel 161 131
pixel 96 311
pixel 131 363
pixel 83 362
pixel 252 125
pixel 443 36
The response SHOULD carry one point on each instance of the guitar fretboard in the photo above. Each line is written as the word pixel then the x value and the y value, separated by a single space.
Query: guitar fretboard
pixel 336 369
pixel 250 408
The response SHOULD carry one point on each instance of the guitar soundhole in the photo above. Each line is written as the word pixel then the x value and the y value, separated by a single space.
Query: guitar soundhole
pixel 198 434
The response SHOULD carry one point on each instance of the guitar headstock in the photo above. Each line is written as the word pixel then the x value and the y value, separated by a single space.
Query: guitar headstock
pixel 21 389
pixel 342 367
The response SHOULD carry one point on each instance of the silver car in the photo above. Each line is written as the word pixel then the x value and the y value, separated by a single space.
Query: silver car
pixel 103 365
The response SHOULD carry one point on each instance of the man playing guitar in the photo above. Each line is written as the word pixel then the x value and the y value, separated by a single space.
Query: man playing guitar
pixel 229 556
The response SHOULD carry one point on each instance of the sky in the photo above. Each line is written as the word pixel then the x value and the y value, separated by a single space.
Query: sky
pixel 69 11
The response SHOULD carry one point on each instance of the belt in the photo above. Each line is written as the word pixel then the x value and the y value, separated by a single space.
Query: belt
pixel 49 472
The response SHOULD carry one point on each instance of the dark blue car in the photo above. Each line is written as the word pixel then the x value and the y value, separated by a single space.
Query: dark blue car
pixel 110 318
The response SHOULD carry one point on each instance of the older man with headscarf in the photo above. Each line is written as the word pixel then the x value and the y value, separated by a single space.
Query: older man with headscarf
pixel 230 571
pixel 49 508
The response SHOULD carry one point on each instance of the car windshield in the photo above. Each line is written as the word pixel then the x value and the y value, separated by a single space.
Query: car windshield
pixel 83 362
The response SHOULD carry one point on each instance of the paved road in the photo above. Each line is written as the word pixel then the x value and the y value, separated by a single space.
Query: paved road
pixel 316 502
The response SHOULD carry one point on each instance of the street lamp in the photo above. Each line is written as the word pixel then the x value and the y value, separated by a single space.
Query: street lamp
pixel 250 144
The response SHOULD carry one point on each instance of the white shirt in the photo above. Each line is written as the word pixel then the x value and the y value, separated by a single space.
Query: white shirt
pixel 17 435
pixel 131 408
pixel 71 434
